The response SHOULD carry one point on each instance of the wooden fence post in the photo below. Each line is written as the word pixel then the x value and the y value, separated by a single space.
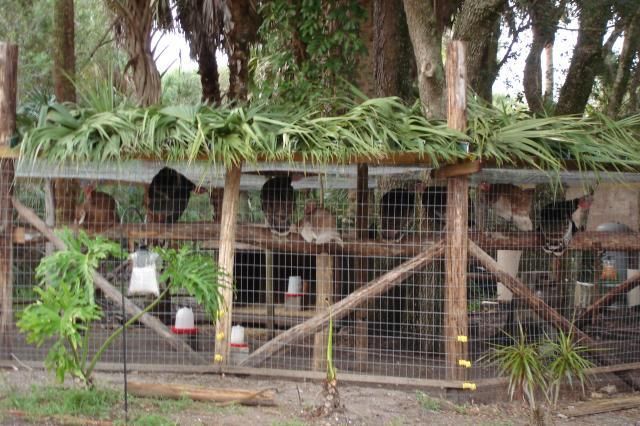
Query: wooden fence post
pixel 8 87
pixel 324 294
pixel 225 261
pixel 455 294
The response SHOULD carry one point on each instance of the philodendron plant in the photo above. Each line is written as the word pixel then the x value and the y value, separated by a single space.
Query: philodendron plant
pixel 66 306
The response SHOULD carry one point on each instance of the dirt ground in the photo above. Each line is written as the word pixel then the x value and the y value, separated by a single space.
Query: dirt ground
pixel 370 405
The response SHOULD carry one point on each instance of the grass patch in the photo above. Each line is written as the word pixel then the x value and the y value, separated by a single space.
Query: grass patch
pixel 427 402
pixel 292 422
pixel 45 401
pixel 152 420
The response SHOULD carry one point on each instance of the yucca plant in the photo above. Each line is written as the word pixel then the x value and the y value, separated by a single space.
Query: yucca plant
pixel 567 361
pixel 522 364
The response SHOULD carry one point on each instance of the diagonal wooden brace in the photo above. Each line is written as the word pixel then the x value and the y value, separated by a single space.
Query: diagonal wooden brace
pixel 346 305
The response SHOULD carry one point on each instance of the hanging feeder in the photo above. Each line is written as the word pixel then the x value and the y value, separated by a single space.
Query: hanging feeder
pixel 185 323
pixel 144 277
pixel 237 337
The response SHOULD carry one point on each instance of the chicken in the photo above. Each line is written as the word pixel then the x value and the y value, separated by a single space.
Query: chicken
pixel 167 196
pixel 98 211
pixel 397 207
pixel 557 225
pixel 434 206
pixel 278 203
pixel 318 225
pixel 509 202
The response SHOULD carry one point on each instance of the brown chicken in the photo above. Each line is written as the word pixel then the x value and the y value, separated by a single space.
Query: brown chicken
pixel 318 225
pixel 509 202
pixel 98 211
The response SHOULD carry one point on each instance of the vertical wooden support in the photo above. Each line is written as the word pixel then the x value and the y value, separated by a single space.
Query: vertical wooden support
pixel 49 212
pixel 8 85
pixel 455 294
pixel 225 261
pixel 361 328
pixel 268 277
pixel 324 294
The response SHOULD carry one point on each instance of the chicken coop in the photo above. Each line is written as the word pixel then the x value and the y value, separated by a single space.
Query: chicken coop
pixel 400 249
pixel 369 247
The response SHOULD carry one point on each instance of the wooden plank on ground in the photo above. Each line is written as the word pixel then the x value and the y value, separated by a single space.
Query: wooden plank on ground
pixel 598 406
pixel 197 393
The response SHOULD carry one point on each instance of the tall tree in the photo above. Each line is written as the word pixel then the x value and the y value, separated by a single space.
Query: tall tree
pixel 426 38
pixel 394 65
pixel 587 56
pixel 64 68
pixel 202 25
pixel 630 46
pixel 544 16
pixel 136 23
pixel 64 56
pixel 241 23
pixel 478 24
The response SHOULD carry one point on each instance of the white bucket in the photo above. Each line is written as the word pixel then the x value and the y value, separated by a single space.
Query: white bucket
pixel 237 335
pixel 295 285
pixel 184 319
pixel 509 262
pixel 633 297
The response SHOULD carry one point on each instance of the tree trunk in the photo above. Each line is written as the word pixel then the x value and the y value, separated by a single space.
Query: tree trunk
pixel 364 71
pixel 64 56
pixel 135 27
pixel 394 64
pixel 64 68
pixel 547 96
pixel 241 23
pixel 628 52
pixel 587 57
pixel 209 77
pixel 478 23
pixel 426 39
pixel 632 105
pixel 544 23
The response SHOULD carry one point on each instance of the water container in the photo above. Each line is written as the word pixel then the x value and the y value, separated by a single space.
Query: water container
pixel 185 323
pixel 614 262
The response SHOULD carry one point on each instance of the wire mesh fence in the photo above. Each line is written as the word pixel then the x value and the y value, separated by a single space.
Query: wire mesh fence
pixel 310 246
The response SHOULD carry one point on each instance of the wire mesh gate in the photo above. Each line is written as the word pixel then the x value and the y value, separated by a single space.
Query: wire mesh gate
pixel 375 251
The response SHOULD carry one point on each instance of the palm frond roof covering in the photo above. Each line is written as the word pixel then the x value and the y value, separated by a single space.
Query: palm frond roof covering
pixel 373 129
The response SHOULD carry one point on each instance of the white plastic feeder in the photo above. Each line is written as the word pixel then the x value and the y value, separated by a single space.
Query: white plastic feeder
pixel 583 294
pixel 509 262
pixel 185 323
pixel 295 286
pixel 144 277
pixel 293 296
pixel 237 337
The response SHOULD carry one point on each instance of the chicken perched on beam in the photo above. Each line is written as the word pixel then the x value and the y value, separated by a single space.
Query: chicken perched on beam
pixel 557 225
pixel 98 211
pixel 167 196
pixel 278 204
pixel 509 202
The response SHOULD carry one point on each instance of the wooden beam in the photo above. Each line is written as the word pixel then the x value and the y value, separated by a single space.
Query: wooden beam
pixel 603 301
pixel 324 298
pixel 269 300
pixel 375 288
pixel 8 89
pixel 110 292
pixel 361 328
pixel 225 260
pixel 456 322
pixel 546 312
pixel 456 170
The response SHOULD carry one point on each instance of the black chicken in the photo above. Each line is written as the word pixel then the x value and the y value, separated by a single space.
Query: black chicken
pixel 278 204
pixel 167 196
pixel 434 206
pixel 556 223
pixel 396 213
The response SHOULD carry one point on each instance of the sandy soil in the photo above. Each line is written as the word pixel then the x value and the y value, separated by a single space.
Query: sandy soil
pixel 379 405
